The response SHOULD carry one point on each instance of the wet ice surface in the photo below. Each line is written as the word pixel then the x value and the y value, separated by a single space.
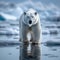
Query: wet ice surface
pixel 9 53
pixel 40 52
pixel 50 53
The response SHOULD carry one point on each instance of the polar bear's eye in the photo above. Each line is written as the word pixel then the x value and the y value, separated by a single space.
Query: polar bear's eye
pixel 35 13
pixel 27 16
pixel 24 13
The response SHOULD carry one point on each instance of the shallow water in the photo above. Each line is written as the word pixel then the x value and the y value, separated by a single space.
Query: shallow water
pixel 40 52
pixel 50 53
pixel 9 53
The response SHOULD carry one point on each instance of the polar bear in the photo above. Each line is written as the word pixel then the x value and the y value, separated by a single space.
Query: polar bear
pixel 30 25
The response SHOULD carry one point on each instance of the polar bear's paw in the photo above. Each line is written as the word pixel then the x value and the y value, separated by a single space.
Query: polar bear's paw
pixel 25 42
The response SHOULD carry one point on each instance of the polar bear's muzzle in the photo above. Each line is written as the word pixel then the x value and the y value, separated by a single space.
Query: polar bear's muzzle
pixel 30 22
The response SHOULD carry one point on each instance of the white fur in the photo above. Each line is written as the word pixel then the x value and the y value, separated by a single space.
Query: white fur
pixel 35 32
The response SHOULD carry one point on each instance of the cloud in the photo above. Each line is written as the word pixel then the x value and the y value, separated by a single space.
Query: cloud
pixel 45 10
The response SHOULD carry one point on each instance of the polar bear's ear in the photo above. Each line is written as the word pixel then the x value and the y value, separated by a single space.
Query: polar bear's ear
pixel 24 13
pixel 35 13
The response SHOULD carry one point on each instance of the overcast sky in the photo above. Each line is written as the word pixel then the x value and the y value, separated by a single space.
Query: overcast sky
pixel 56 2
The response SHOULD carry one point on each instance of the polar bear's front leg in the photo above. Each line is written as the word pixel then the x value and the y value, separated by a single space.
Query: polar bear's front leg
pixel 24 34
pixel 36 34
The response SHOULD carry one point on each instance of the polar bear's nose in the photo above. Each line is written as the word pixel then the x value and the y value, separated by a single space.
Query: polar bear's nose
pixel 30 22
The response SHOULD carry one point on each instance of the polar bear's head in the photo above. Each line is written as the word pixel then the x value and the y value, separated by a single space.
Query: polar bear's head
pixel 31 17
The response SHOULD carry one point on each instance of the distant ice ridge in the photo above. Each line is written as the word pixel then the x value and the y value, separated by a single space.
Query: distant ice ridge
pixel 17 9
pixel 11 13
pixel 7 16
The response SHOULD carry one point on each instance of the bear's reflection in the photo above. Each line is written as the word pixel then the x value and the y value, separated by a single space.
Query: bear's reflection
pixel 31 52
